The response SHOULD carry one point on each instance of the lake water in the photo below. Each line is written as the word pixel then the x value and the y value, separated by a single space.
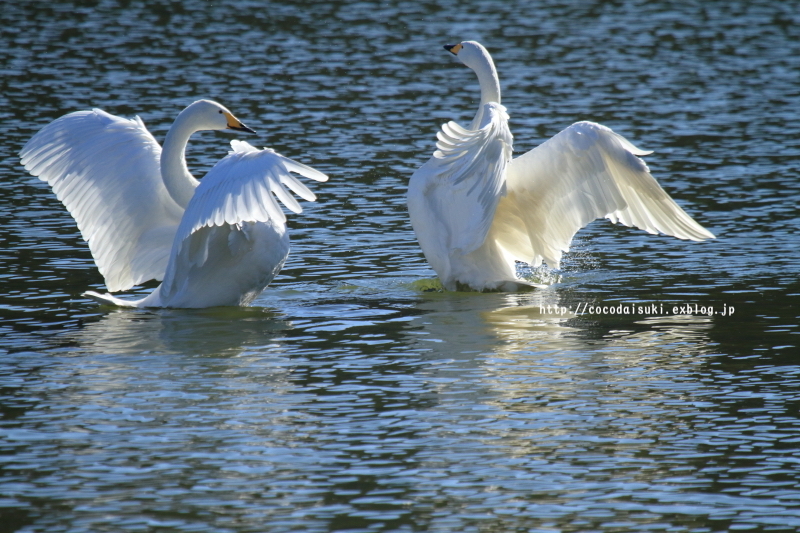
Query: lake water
pixel 348 398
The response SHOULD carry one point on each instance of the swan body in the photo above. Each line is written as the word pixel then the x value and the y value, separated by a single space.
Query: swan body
pixel 476 209
pixel 216 242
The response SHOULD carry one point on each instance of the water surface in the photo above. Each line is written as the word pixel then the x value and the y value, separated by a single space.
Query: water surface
pixel 350 399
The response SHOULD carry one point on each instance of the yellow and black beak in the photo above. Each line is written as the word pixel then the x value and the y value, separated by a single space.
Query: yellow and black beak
pixel 236 124
pixel 453 48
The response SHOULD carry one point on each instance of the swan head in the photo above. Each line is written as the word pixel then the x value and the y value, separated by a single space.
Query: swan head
pixel 471 53
pixel 208 115
pixel 476 57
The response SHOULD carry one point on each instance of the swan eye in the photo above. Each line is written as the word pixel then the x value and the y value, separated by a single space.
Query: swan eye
pixel 220 111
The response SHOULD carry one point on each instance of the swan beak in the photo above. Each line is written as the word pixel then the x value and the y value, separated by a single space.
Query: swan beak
pixel 453 48
pixel 236 124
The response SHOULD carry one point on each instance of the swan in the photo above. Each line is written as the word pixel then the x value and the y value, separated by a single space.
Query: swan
pixel 219 241
pixel 476 210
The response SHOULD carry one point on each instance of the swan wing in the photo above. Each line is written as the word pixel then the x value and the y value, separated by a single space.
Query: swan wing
pixel 585 172
pixel 106 171
pixel 244 186
pixel 453 197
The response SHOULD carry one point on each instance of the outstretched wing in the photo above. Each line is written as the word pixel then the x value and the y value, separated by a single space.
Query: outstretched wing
pixel 453 197
pixel 585 172
pixel 106 171
pixel 242 187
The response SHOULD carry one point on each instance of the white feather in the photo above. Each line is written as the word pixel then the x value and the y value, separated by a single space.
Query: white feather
pixel 585 172
pixel 476 211
pixel 104 167
pixel 216 242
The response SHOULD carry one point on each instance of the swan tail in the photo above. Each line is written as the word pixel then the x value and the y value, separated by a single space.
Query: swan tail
pixel 107 299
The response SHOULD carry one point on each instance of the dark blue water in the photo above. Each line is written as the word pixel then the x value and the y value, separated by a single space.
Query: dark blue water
pixel 348 398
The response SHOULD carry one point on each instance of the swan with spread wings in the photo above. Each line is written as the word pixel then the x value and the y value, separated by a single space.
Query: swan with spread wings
pixel 476 210
pixel 215 242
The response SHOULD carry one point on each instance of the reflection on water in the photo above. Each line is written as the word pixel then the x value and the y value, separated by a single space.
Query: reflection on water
pixel 365 409
pixel 349 399
pixel 467 325
pixel 216 331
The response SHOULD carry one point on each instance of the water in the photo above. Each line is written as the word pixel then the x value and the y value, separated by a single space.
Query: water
pixel 350 399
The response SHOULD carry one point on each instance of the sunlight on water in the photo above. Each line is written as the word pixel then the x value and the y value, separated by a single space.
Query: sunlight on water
pixel 541 275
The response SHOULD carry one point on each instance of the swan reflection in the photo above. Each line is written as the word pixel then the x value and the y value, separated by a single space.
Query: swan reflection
pixel 216 331
pixel 528 360
pixel 461 325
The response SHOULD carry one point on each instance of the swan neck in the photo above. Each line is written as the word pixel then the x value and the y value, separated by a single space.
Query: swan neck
pixel 490 86
pixel 177 179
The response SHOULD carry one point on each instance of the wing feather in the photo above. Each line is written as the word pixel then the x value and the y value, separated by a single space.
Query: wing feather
pixel 457 191
pixel 106 171
pixel 242 187
pixel 585 172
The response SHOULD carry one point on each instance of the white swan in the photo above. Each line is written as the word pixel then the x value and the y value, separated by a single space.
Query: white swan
pixel 215 242
pixel 476 211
